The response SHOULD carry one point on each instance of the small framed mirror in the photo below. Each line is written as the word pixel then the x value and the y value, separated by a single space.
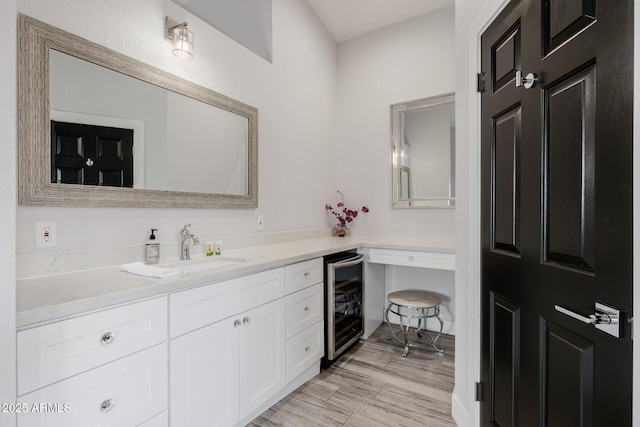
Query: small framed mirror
pixel 423 153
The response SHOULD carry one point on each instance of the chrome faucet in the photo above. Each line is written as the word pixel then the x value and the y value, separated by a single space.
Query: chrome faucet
pixel 186 235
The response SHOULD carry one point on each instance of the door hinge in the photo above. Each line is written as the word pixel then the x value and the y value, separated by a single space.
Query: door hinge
pixel 631 328
pixel 480 82
pixel 133 150
pixel 478 392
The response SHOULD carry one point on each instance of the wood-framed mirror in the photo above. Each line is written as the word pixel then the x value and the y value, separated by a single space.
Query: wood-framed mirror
pixel 213 165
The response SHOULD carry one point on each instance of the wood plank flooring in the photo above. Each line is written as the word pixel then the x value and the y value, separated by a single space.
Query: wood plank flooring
pixel 372 386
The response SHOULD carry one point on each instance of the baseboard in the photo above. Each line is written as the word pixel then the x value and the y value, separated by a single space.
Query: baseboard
pixel 370 326
pixel 459 412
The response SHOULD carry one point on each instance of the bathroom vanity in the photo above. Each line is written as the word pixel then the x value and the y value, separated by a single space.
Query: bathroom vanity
pixel 221 343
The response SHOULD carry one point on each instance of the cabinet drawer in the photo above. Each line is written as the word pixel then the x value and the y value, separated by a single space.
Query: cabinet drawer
pixel 202 306
pixel 303 274
pixel 304 308
pixel 436 260
pixel 304 349
pixel 56 351
pixel 127 392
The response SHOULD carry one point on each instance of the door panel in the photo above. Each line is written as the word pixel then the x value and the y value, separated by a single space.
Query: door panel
pixel 564 19
pixel 505 361
pixel 113 159
pixel 67 153
pixel 505 182
pixel 506 57
pixel 568 171
pixel 556 213
pixel 567 363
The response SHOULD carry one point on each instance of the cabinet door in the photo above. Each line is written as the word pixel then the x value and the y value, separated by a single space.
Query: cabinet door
pixel 204 376
pixel 262 355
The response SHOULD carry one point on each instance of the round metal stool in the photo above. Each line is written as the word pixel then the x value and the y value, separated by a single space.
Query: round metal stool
pixel 409 305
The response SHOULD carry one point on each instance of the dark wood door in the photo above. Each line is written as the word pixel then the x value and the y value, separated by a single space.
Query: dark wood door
pixel 91 155
pixel 557 213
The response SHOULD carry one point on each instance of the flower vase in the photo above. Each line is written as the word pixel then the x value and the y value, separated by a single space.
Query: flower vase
pixel 341 230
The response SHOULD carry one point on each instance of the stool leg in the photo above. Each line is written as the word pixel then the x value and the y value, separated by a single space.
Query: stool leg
pixel 405 334
pixel 386 319
pixel 439 350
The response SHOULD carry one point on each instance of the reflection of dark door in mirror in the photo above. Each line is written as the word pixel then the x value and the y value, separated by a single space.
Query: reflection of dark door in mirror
pixel 91 155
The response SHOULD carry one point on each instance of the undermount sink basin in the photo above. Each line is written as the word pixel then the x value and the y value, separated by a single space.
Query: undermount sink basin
pixel 206 264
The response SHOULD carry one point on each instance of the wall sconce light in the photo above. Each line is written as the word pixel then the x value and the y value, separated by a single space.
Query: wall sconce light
pixel 180 37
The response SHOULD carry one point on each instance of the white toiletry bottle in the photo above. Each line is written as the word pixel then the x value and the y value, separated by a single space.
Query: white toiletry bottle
pixel 152 249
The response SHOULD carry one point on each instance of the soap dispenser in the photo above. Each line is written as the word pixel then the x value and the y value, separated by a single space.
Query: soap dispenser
pixel 152 249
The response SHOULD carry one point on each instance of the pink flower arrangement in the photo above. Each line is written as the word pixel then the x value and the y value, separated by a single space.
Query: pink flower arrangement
pixel 343 214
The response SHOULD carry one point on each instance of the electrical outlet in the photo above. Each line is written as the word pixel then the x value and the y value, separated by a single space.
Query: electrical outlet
pixel 260 222
pixel 45 234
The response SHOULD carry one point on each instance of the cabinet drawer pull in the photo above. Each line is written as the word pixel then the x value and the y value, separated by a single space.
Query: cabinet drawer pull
pixel 107 405
pixel 411 258
pixel 307 275
pixel 107 338
pixel 306 349
pixel 306 308
pixel 246 320
pixel 237 323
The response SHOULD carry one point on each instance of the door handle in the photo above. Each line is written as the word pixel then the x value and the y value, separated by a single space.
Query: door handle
pixel 528 82
pixel 606 318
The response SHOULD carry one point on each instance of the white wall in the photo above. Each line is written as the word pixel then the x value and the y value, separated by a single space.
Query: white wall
pixel 8 211
pixel 406 61
pixel 249 23
pixel 297 103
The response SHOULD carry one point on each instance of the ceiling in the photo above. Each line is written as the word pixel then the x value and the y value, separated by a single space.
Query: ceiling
pixel 346 19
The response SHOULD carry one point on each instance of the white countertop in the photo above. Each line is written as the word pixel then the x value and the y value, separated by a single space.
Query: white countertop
pixel 42 299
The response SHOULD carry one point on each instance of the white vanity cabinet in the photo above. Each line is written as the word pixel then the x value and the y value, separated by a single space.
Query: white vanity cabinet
pixel 212 355
pixel 240 344
pixel 107 368
pixel 305 315
pixel 235 361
